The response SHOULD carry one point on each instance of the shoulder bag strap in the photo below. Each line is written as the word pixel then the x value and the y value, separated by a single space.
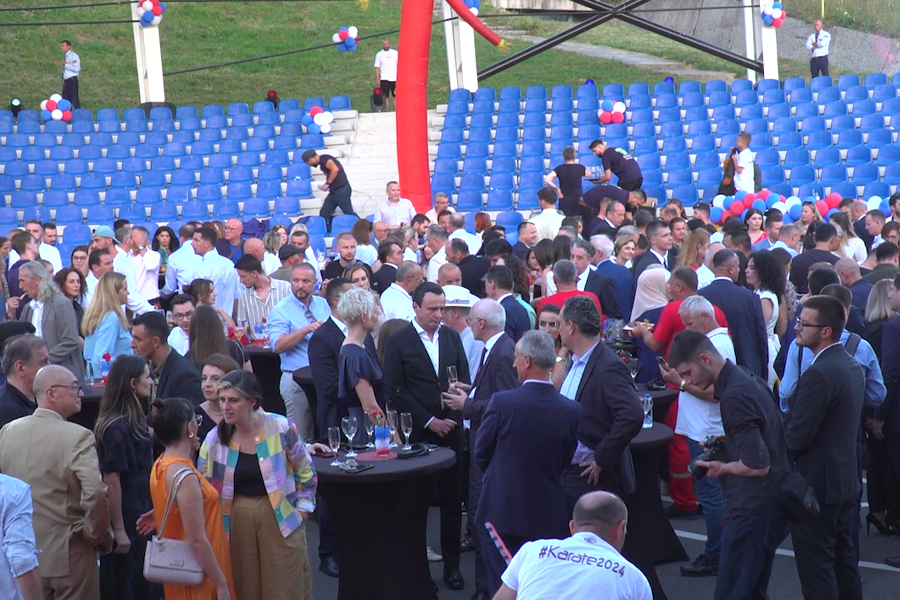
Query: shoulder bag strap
pixel 177 480
pixel 852 344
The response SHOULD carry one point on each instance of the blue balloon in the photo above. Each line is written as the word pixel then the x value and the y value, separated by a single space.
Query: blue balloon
pixel 744 214
pixel 777 5
pixel 306 120
pixel 726 204
pixel 589 82
pixel 607 105
pixel 64 104
pixel 46 115
pixel 759 205
pixel 795 211
pixel 885 207
pixel 715 214
pixel 771 200
pixel 163 7
pixel 831 212
pixel 739 195
pixel 313 128
pixel 787 219
pixel 147 18
pixel 343 29
pixel 767 19
pixel 351 44
pixel 341 47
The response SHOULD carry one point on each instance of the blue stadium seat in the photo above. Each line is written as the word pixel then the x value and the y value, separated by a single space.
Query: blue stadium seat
pixel 33 183
pixel 123 180
pixel 707 178
pixel 638 89
pixel 649 161
pixel 835 108
pixel 892 171
pixel 55 198
pixel 561 91
pixel 846 190
pixel 745 97
pixel 258 208
pixel 849 138
pixel 669 115
pixel 877 188
pixel 698 128
pixel 888 155
pixel 531 179
pixel 764 158
pixel 499 200
pixel 871 123
pixel 865 173
pixel 858 155
pixel 727 127
pixel 286 205
pixel 268 173
pixel 678 176
pixel 864 107
pixel 842 123
pixel 666 100
pixel 832 174
pixel 802 174
pixel 69 215
pixel 101 214
pixel 819 139
pixel 795 157
pixel 756 126
pixel 672 129
pixel 827 156
pixel 778 111
pixel 302 188
pixel 645 145
pixel 63 182
pixel 875 79
pixel 883 92
pixel 469 200
pixel 195 210
pixel 239 190
pixel 164 212
pixel 264 189
pixel 674 145
pixel 715 85
pixel 133 212
pixel 827 94
pixel 509 148
pixel 686 193
pixel 772 176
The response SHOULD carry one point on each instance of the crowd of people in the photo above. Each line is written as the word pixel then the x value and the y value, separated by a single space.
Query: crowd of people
pixel 495 350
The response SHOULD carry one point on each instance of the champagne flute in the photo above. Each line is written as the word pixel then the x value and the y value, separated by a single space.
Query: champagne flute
pixel 392 425
pixel 634 366
pixel 349 425
pixel 334 441
pixel 370 429
pixel 452 376
pixel 406 424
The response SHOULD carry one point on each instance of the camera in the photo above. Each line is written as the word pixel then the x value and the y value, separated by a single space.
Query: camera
pixel 715 446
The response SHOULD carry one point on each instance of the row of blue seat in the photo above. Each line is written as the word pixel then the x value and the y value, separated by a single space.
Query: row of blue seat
pixel 233 138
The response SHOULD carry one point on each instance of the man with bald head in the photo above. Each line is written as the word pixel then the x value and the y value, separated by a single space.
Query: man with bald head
pixel 848 270
pixel 545 569
pixel 232 245
pixel 449 274
pixel 254 247
pixel 705 274
pixel 71 508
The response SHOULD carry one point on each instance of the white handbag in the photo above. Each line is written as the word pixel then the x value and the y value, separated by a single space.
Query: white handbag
pixel 172 561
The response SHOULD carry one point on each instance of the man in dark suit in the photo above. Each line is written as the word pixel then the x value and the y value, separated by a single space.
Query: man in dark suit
pixel 609 225
pixel 600 382
pixel 621 277
pixel 848 270
pixel 858 210
pixel 743 310
pixel 391 256
pixel 471 267
pixel 416 359
pixel 498 284
pixel 661 253
pixel 527 233
pixel 173 374
pixel 886 420
pixel 820 434
pixel 496 373
pixel 588 280
pixel 526 441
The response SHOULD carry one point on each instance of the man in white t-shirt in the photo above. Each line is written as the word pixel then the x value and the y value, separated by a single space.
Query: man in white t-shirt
pixel 386 71
pixel 744 178
pixel 586 565
pixel 698 418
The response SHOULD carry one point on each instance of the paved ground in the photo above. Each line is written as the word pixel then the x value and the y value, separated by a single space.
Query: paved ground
pixel 880 582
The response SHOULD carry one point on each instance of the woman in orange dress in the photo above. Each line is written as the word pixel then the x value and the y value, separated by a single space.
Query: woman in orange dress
pixel 195 516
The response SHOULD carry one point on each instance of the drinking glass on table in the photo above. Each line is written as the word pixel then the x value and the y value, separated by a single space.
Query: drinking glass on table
pixel 634 366
pixel 349 425
pixel 334 442
pixel 370 429
pixel 406 425
pixel 392 425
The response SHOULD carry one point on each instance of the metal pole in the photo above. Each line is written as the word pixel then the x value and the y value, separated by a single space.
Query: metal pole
pixel 749 37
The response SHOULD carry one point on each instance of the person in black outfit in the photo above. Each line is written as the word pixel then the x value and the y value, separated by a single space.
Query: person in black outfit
pixel 827 241
pixel 23 357
pixel 570 176
pixel 336 184
pixel 620 162
pixel 472 268
pixel 820 434
pixel 391 256
pixel 415 379
pixel 174 375
pixel 753 524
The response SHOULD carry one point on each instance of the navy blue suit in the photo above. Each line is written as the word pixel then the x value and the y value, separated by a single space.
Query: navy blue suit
pixel 517 321
pixel 526 441
pixel 623 281
pixel 602 286
pixel 743 309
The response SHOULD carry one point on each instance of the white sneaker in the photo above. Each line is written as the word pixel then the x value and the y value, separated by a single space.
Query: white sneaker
pixel 432 555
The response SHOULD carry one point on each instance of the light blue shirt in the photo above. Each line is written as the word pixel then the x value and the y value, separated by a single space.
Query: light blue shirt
pixel 110 337
pixel 73 65
pixel 780 244
pixel 865 356
pixel 18 555
pixel 288 316
pixel 569 389
pixel 823 42
pixel 763 244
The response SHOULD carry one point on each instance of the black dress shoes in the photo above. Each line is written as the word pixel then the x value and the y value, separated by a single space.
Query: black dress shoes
pixel 454 579
pixel 467 544
pixel 330 566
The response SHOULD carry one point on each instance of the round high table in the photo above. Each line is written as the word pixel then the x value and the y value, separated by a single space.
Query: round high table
pixel 380 518
pixel 90 406
pixel 267 368
pixel 662 400
pixel 650 539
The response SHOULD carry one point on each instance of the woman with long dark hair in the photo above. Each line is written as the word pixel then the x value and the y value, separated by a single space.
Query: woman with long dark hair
pixel 545 257
pixel 766 276
pixel 207 337
pixel 165 241
pixel 753 221
pixel 125 449
pixel 204 294
pixel 73 285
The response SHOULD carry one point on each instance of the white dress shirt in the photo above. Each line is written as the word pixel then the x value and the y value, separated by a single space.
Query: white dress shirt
pixel 122 265
pixel 397 303
pixel 270 263
pixel 147 270
pixel 823 39
pixel 90 285
pixel 180 270
pixel 73 65
pixel 395 214
pixel 579 283
pixel 178 340
pixel 37 316
pixel 704 276
pixel 221 272
pixel 437 261
pixel 472 241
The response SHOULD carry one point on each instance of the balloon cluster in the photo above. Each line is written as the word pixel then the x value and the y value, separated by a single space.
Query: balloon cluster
pixel 773 13
pixel 318 120
pixel 150 12
pixel 738 205
pixel 474 6
pixel 347 39
pixel 612 112
pixel 56 108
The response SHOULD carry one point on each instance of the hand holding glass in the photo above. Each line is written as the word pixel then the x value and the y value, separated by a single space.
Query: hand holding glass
pixel 452 376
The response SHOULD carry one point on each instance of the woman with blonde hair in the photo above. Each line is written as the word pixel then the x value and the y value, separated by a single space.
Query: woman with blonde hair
pixel 624 250
pixel 808 214
pixel 272 243
pixel 694 250
pixel 104 326
pixel 851 245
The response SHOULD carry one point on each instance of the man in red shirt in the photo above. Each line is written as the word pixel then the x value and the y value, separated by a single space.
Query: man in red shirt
pixel 566 277
pixel 682 284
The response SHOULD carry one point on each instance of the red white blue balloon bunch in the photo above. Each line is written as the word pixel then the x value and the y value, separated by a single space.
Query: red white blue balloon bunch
pixel 773 13
pixel 56 108
pixel 474 6
pixel 347 39
pixel 318 120
pixel 612 111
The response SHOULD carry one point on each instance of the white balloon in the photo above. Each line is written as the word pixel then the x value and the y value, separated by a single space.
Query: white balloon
pixel 56 97
pixel 325 128
pixel 44 105
pixel 776 13
pixel 319 119
pixel 336 38
pixel 474 11
pixel 619 107
pixel 156 20
pixel 793 200
pixel 56 114
pixel 329 117
pixel 146 5
pixel 719 200
pixel 873 203
pixel 353 31
pixel 780 206
pixel 140 11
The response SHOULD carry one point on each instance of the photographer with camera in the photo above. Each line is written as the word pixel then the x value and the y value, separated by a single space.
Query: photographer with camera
pixel 753 524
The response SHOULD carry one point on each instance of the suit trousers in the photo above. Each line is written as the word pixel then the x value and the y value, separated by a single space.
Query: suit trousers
pixel 575 486
pixel 818 65
pixel 70 91
pixel 339 198
pixel 826 555
pixel 83 582
pixel 449 484
pixel 327 534
pixel 494 562
pixel 296 406
pixel 475 478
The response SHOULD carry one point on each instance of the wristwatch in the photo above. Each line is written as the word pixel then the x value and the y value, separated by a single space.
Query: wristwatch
pixel 682 384
pixel 560 359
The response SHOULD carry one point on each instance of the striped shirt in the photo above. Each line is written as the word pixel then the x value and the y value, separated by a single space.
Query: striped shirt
pixel 286 467
pixel 18 554
pixel 253 309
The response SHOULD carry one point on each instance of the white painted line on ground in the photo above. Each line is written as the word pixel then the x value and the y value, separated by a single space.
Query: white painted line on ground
pixel 699 537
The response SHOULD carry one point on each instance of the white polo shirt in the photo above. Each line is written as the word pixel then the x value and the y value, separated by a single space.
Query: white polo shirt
pixel 386 61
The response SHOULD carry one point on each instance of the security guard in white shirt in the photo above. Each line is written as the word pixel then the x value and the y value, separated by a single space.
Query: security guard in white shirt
pixel 586 565
pixel 71 71
pixel 818 42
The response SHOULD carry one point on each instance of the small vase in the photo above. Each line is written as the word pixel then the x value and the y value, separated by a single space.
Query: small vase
pixel 382 441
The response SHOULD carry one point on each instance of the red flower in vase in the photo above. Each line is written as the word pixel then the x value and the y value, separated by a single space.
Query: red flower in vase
pixel 107 356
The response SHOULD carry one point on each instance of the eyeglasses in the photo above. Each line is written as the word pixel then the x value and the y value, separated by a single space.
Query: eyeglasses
pixel 198 419
pixel 802 325
pixel 181 316
pixel 73 387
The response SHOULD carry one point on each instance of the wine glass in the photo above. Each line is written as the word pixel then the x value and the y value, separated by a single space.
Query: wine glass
pixel 334 441
pixel 392 425
pixel 406 423
pixel 634 366
pixel 349 426
pixel 452 376
pixel 370 429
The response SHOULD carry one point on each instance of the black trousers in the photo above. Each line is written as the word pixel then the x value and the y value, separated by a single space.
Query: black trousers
pixel 826 555
pixel 632 186
pixel 475 477
pixel 818 65
pixel 449 488
pixel 70 91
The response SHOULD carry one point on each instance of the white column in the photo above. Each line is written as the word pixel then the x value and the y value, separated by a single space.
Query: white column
pixel 148 55
pixel 461 60
pixel 749 36
pixel 770 52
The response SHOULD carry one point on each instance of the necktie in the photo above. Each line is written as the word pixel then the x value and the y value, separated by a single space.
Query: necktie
pixel 483 356
pixel 665 261
pixel 309 315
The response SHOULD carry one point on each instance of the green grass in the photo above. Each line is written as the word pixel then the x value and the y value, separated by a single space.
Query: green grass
pixel 877 16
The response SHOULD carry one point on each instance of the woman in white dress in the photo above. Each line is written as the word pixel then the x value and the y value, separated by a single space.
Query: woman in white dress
pixel 766 277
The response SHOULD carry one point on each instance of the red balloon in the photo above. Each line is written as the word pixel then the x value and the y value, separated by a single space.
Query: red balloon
pixel 315 110
pixel 763 195
pixel 618 117
pixel 606 117
pixel 833 200
pixel 777 23
pixel 822 206
pixel 344 34
pixel 67 115
pixel 51 104
pixel 748 200
pixel 736 209
pixel 157 10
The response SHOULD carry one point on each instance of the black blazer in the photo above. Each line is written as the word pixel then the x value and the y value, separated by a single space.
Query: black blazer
pixel 520 251
pixel 859 226
pixel 527 439
pixel 384 277
pixel 472 268
pixel 743 310
pixel 412 384
pixel 517 321
pixel 606 228
pixel 821 429
pixel 623 282
pixel 648 258
pixel 497 374
pixel 890 369
pixel 179 379
pixel 603 287
pixel 612 417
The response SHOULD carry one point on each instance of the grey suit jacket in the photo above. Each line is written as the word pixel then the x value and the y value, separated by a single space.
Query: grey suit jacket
pixel 59 328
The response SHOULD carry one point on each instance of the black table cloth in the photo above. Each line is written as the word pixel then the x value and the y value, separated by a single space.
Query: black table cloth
pixel 380 518
pixel 267 368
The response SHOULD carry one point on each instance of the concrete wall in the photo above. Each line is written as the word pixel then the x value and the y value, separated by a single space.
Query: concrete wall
pixel 850 50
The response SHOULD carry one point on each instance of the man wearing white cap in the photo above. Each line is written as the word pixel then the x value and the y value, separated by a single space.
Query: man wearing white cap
pixel 104 239
pixel 456 311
